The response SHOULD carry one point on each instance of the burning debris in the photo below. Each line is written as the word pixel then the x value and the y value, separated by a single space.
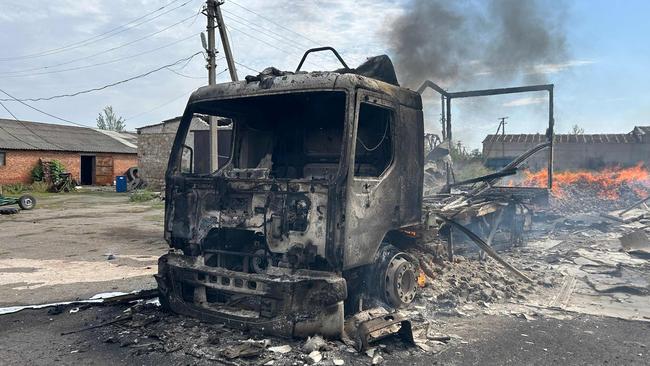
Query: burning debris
pixel 586 191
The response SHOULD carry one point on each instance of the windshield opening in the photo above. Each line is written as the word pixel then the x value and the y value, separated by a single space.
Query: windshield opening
pixel 289 136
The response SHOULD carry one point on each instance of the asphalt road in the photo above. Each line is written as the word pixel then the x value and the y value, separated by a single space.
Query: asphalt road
pixel 33 337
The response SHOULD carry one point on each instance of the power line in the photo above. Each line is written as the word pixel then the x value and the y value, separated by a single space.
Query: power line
pixel 251 25
pixel 267 43
pixel 271 21
pixel 27 128
pixel 105 86
pixel 100 36
pixel 167 102
pixel 39 110
pixel 279 38
pixel 103 63
pixel 7 109
pixel 246 67
pixel 110 49
pixel 186 76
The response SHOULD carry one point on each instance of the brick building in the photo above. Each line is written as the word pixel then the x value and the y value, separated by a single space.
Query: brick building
pixel 94 157
pixel 155 144
pixel 572 151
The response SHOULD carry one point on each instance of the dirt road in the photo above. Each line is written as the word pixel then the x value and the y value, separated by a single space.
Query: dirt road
pixel 73 246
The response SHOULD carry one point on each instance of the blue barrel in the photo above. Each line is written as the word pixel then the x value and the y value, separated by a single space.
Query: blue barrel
pixel 120 183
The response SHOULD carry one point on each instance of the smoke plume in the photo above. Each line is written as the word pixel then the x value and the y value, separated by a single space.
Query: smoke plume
pixel 494 41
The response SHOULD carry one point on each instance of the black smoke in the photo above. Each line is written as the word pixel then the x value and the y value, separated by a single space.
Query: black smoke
pixel 491 41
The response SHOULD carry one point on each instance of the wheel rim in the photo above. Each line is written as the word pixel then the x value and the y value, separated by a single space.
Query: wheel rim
pixel 400 282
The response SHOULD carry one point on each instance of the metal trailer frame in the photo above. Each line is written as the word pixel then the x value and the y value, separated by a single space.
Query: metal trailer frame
pixel 446 98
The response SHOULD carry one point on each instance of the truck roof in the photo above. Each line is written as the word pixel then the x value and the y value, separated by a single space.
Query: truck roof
pixel 273 81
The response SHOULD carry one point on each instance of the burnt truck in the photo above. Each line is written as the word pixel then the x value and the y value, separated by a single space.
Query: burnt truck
pixel 322 183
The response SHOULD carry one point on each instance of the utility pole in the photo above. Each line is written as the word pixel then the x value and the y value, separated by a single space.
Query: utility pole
pixel 502 124
pixel 213 12
pixel 210 11
pixel 225 42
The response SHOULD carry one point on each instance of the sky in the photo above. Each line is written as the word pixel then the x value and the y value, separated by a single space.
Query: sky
pixel 58 47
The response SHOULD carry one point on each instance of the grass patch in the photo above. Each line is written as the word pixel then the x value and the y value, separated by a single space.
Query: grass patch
pixel 142 195
pixel 20 188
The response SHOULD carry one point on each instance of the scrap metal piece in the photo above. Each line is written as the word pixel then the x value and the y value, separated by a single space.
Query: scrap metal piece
pixel 488 249
pixel 374 324
pixel 635 204
pixel 636 241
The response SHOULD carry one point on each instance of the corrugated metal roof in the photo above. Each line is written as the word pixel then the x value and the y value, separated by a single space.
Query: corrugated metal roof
pixel 620 138
pixel 642 130
pixel 25 135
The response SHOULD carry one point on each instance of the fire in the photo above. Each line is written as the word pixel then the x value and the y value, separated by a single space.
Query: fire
pixel 605 184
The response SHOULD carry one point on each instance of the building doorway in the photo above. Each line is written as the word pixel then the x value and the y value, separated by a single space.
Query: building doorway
pixel 87 170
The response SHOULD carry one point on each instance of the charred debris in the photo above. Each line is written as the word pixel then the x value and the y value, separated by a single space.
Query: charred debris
pixel 330 223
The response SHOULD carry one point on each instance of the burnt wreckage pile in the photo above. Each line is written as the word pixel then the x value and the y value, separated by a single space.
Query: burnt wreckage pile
pixel 319 221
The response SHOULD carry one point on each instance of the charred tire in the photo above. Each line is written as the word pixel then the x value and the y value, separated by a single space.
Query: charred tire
pixel 27 202
pixel 132 173
pixel 8 211
pixel 397 277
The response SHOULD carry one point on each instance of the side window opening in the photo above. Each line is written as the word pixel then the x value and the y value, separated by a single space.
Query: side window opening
pixel 374 145
pixel 3 158
pixel 195 156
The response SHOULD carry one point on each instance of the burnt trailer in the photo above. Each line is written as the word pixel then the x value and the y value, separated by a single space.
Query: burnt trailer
pixel 325 168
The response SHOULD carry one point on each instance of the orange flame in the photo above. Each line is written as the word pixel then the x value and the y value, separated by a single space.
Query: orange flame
pixel 606 184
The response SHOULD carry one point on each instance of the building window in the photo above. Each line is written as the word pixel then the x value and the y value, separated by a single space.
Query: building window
pixel 3 158
pixel 374 151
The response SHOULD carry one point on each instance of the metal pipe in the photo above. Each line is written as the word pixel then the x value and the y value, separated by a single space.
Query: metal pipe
pixel 483 245
pixel 499 91
pixel 448 102
pixel 550 137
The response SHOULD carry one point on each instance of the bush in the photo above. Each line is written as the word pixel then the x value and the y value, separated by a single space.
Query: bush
pixel 142 195
pixel 56 168
pixel 14 188
pixel 39 187
pixel 19 188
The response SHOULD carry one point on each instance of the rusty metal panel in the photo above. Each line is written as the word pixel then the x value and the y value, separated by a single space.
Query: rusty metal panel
pixel 104 170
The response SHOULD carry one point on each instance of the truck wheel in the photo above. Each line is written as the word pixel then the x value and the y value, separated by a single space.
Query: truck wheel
pixel 400 282
pixel 397 277
pixel 27 202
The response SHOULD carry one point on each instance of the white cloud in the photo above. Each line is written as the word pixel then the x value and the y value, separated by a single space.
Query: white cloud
pixel 525 101
pixel 558 67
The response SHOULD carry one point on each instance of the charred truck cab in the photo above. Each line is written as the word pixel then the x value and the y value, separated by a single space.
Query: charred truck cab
pixel 324 168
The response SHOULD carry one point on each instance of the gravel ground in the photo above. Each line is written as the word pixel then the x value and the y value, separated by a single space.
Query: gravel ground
pixel 59 251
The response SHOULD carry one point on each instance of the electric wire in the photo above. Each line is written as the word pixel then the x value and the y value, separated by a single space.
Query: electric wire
pixel 271 21
pixel 268 33
pixel 39 110
pixel 112 48
pixel 167 102
pixel 99 37
pixel 105 62
pixel 105 86
pixel 11 134
pixel 247 67
pixel 380 141
pixel 267 43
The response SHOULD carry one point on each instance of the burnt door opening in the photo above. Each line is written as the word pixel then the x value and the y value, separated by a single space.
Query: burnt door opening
pixel 87 170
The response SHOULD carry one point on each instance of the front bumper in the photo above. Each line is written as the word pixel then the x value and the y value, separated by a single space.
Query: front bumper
pixel 282 302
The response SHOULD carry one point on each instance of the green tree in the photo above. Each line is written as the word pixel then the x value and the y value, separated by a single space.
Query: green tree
pixel 108 120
